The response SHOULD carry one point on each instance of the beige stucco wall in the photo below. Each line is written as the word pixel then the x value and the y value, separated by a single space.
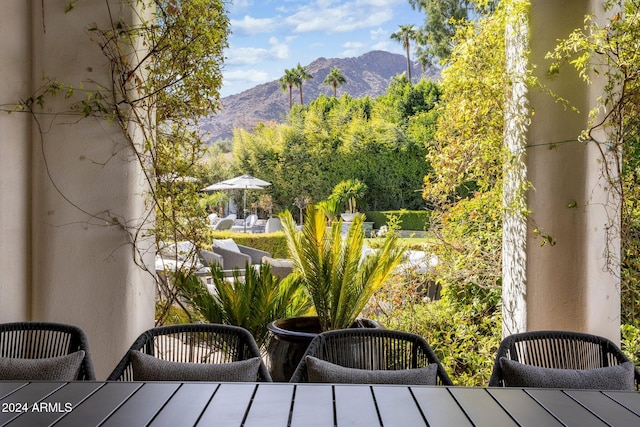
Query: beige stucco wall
pixel 15 167
pixel 66 176
pixel 569 285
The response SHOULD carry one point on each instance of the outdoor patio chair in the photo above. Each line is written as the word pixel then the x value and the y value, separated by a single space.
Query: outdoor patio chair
pixel 223 224
pixel 44 351
pixel 245 224
pixel 370 356
pixel 561 359
pixel 273 225
pixel 193 352
pixel 236 256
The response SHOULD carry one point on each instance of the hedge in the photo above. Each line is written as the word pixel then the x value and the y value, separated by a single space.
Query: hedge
pixel 409 220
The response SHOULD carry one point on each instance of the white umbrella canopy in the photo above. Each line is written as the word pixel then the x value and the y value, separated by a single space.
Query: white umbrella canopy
pixel 245 182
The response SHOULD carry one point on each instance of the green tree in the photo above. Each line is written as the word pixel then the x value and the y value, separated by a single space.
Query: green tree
pixel 404 35
pixel 287 82
pixel 334 79
pixel 436 37
pixel 301 76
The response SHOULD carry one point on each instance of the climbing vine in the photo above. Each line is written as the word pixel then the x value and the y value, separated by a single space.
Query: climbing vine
pixel 165 72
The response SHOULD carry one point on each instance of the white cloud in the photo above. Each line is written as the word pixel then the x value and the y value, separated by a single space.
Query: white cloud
pixel 245 55
pixel 247 75
pixel 331 16
pixel 278 49
pixel 352 49
pixel 239 5
pixel 252 26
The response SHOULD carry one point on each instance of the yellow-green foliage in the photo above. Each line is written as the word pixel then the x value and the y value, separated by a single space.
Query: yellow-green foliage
pixel 463 330
pixel 274 243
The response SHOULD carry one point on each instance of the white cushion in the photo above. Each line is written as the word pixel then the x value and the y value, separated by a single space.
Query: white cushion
pixel 227 244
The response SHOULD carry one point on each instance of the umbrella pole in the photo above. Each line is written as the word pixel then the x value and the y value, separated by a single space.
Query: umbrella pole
pixel 244 210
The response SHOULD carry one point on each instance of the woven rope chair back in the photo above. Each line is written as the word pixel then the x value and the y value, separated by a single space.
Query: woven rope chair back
pixel 372 349
pixel 41 340
pixel 558 350
pixel 193 343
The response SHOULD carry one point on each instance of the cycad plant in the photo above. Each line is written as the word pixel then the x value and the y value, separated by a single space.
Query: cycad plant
pixel 338 278
pixel 251 298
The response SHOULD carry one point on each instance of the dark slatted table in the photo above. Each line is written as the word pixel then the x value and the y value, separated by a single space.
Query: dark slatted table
pixel 306 405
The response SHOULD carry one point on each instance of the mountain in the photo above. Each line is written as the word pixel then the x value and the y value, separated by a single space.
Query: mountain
pixel 366 75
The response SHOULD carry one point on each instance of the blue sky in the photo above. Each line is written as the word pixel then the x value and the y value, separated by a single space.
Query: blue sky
pixel 271 36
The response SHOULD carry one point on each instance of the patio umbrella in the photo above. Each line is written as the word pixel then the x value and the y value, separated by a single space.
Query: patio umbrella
pixel 245 182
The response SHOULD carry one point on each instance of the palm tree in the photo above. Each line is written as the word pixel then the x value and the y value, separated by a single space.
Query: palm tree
pixel 288 81
pixel 301 76
pixel 334 79
pixel 405 34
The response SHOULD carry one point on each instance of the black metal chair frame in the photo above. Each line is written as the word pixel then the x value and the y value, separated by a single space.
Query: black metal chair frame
pixel 40 340
pixel 199 343
pixel 392 350
pixel 559 350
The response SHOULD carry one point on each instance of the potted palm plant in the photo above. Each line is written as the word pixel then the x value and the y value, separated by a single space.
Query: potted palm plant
pixel 350 192
pixel 338 278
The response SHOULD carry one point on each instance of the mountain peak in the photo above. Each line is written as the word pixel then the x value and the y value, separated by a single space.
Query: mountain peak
pixel 366 75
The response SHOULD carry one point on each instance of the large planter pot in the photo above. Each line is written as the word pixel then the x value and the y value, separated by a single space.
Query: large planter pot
pixel 348 217
pixel 290 339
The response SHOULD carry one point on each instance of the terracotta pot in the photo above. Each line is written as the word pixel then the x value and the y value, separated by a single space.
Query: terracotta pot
pixel 290 339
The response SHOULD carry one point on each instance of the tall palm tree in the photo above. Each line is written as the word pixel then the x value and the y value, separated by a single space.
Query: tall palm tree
pixel 287 82
pixel 334 79
pixel 301 76
pixel 405 34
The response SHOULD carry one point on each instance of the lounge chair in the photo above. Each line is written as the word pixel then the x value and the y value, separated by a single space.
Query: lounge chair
pixel 236 256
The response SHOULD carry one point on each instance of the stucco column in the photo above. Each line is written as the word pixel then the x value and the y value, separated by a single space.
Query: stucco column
pixel 569 277
pixel 73 180
pixel 15 64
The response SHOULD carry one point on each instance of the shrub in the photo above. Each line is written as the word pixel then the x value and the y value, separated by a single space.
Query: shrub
pixel 252 299
pixel 409 220
pixel 463 331
pixel 274 243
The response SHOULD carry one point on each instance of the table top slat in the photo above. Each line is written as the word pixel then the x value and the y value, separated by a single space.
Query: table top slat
pixel 523 408
pixel 271 406
pixel 628 399
pixel 481 408
pixel 185 406
pixel 607 409
pixel 229 405
pixel 439 407
pixel 563 407
pixel 313 406
pixel 6 388
pixel 27 395
pixel 397 407
pixel 173 403
pixel 99 405
pixel 355 406
pixel 140 408
pixel 57 404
